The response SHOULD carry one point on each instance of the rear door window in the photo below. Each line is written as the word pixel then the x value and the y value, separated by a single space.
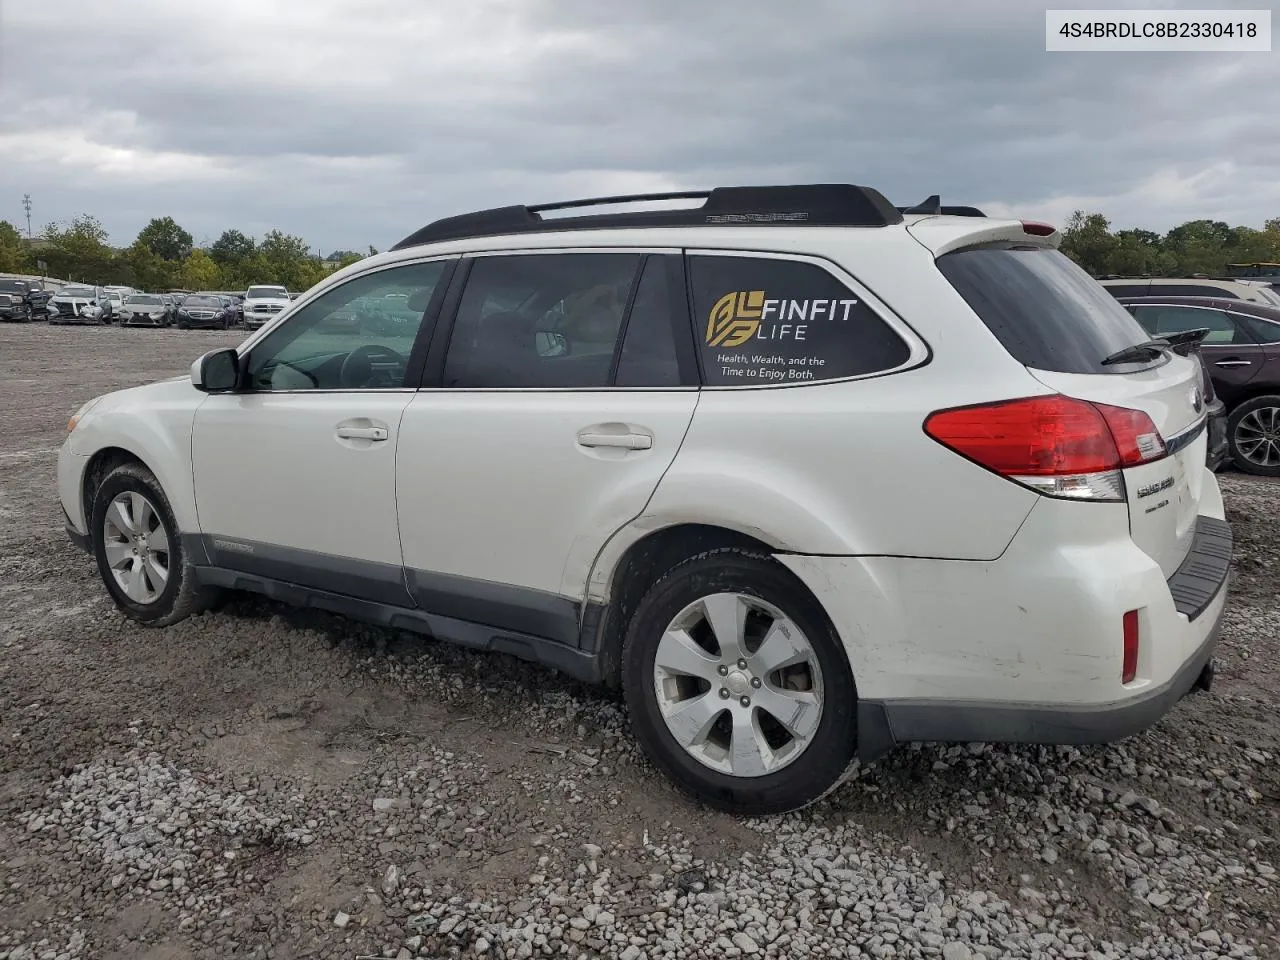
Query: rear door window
pixel 766 320
pixel 1264 331
pixel 1044 309
pixel 1161 321
pixel 540 320
pixel 649 357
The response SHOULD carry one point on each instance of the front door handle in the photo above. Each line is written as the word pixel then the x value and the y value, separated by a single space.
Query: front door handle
pixel 1233 363
pixel 363 433
pixel 625 441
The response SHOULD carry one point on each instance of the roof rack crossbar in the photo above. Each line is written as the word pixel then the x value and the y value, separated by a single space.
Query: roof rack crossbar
pixel 819 204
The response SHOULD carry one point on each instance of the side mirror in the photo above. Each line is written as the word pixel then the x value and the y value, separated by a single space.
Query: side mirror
pixel 217 371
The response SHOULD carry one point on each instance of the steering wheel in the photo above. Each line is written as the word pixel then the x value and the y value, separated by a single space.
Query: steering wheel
pixel 357 369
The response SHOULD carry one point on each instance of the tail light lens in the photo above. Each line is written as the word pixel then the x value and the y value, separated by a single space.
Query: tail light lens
pixel 1058 446
pixel 1130 668
pixel 1137 439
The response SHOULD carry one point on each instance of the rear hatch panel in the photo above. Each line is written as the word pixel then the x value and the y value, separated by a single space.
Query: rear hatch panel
pixel 1062 325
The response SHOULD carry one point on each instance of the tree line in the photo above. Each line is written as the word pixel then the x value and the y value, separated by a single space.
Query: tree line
pixel 1197 246
pixel 164 257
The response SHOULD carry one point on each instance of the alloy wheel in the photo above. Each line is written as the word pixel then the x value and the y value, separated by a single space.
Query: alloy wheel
pixel 136 546
pixel 1258 437
pixel 738 685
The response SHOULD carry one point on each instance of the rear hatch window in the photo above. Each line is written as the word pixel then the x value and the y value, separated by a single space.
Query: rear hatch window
pixel 1047 312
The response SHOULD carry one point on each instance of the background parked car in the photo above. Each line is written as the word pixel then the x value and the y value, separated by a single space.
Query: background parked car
pixel 79 303
pixel 145 310
pixel 112 304
pixel 14 304
pixel 1242 354
pixel 204 310
pixel 262 302
pixel 1256 291
pixel 32 300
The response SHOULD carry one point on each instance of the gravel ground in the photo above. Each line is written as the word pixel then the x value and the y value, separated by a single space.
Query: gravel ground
pixel 258 782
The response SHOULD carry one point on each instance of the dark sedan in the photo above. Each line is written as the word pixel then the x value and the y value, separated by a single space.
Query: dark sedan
pixel 207 311
pixel 1242 354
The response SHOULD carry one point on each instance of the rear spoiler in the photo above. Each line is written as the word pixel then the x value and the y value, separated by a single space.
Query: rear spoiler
pixel 933 205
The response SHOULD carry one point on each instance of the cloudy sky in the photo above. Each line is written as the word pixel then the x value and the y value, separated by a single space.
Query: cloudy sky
pixel 352 122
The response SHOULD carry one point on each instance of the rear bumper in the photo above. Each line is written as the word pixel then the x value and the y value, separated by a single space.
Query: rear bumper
pixel 1027 648
pixel 884 725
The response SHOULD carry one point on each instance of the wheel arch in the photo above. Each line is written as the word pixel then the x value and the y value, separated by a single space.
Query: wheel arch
pixel 159 457
pixel 622 576
pixel 1254 393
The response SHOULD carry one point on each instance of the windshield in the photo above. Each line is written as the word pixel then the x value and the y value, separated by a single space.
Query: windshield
pixel 16 285
pixel 1046 311
pixel 278 293
pixel 201 302
pixel 77 292
pixel 146 301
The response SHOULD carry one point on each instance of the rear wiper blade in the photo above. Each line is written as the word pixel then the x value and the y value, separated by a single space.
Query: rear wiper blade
pixel 1184 342
pixel 1138 352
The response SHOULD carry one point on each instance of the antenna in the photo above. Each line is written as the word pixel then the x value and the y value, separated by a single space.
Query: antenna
pixel 26 204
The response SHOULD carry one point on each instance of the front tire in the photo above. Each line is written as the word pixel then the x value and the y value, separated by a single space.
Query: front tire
pixel 1253 436
pixel 738 687
pixel 138 546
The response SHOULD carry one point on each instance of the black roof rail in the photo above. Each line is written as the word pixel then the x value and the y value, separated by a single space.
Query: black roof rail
pixel 815 205
pixel 933 205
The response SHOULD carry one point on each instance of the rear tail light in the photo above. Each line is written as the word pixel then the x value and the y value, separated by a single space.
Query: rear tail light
pixel 1058 446
pixel 1130 668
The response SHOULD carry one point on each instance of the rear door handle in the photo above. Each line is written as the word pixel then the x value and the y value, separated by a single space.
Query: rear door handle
pixel 1233 363
pixel 625 441
pixel 363 433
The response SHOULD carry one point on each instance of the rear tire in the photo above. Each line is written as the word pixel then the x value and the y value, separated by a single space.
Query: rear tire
pixel 1253 436
pixel 711 716
pixel 139 550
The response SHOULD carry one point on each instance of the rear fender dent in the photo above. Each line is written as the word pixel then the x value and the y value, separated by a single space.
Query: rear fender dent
pixel 858 603
pixel 787 516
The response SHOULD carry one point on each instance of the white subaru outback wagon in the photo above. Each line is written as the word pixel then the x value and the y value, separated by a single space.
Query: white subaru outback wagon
pixel 806 474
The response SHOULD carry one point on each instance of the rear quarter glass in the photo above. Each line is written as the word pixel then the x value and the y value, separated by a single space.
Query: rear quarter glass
pixel 764 321
pixel 1046 311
